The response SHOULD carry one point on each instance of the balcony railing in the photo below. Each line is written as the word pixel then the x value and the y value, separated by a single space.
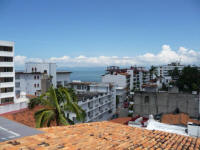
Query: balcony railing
pixel 6 74
pixel 6 64
pixel 90 107
pixel 4 53
pixel 8 94
pixel 6 84
pixel 90 116
pixel 101 102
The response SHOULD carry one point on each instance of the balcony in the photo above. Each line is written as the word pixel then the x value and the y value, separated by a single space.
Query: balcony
pixel 90 107
pixel 90 116
pixel 6 74
pixel 6 64
pixel 101 102
pixel 7 54
pixel 100 110
pixel 6 84
pixel 96 105
pixel 5 95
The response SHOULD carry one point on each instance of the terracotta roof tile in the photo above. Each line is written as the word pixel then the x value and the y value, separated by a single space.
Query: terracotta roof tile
pixel 177 119
pixel 25 116
pixel 102 136
pixel 121 120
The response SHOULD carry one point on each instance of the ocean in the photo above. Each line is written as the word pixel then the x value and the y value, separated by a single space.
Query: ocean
pixel 86 74
pixel 91 74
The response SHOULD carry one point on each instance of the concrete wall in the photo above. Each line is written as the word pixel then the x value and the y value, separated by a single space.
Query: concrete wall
pixel 13 107
pixel 164 102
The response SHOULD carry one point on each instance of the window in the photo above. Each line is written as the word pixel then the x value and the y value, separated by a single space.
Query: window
pixel 17 84
pixel 37 85
pixel 78 87
pixel 35 69
pixel 65 83
pixel 7 100
pixel 37 77
pixel 32 70
pixel 35 94
pixel 6 48
pixel 146 99
pixel 45 71
pixel 17 76
pixel 17 92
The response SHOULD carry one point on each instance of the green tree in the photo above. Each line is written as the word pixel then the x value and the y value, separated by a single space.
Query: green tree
pixel 56 102
pixel 174 73
pixel 189 79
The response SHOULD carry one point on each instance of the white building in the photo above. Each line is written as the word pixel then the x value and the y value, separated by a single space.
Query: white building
pixel 48 68
pixel 7 76
pixel 63 78
pixel 30 81
pixel 163 71
pixel 138 77
pixel 97 99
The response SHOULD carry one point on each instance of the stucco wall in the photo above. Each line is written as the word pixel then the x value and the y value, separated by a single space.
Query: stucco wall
pixel 165 102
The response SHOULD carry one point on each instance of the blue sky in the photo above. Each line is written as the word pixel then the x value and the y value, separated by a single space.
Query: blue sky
pixel 91 28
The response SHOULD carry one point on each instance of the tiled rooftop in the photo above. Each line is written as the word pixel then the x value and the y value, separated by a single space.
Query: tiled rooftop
pixel 121 120
pixel 25 116
pixel 102 136
pixel 177 119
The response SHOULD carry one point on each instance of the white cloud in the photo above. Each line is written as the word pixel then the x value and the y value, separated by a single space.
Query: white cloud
pixel 20 60
pixel 166 55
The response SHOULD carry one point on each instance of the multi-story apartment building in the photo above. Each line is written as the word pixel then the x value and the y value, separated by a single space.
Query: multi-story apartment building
pixel 126 79
pixel 163 71
pixel 7 76
pixel 31 80
pixel 97 99
pixel 138 77
pixel 47 68
pixel 30 83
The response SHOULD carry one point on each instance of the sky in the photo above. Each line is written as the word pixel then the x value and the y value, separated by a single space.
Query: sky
pixel 82 33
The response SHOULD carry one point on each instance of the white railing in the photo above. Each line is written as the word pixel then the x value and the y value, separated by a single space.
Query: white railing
pixel 6 64
pixel 9 94
pixel 5 53
pixel 12 107
pixel 6 74
pixel 6 84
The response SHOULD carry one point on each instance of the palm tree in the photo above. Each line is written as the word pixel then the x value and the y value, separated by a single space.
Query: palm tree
pixel 56 102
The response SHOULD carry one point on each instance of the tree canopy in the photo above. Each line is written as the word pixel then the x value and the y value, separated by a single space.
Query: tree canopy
pixel 188 79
